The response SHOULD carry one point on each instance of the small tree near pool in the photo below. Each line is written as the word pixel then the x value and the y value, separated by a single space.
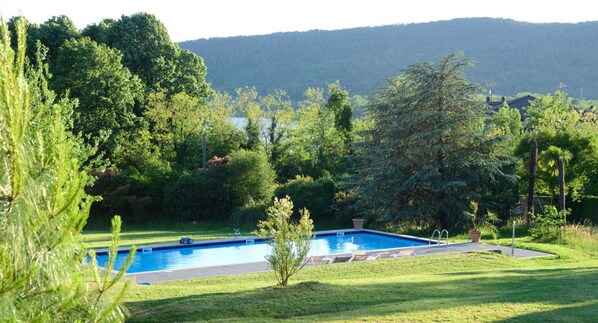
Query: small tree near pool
pixel 290 241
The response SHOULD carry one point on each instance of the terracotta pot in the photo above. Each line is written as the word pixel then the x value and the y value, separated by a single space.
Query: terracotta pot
pixel 475 235
pixel 358 223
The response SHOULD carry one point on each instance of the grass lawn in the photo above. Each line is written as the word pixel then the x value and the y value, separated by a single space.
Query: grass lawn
pixel 458 287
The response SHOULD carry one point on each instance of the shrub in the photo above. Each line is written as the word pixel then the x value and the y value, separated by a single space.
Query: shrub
pixel 549 226
pixel 248 216
pixel 248 178
pixel 197 196
pixel 243 179
pixel 316 196
pixel 290 242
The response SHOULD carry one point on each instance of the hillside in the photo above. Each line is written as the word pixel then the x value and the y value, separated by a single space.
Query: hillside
pixel 514 56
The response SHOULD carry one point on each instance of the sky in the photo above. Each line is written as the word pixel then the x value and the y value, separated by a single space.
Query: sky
pixel 193 19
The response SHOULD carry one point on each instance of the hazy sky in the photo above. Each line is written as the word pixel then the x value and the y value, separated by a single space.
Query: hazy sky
pixel 192 19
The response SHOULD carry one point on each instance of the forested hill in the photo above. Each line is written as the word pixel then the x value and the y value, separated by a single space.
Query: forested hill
pixel 514 56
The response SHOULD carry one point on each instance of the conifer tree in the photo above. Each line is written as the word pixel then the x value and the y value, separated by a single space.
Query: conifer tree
pixel 427 155
pixel 43 206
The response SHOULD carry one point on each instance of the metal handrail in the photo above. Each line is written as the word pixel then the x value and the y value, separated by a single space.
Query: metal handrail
pixel 432 237
pixel 440 237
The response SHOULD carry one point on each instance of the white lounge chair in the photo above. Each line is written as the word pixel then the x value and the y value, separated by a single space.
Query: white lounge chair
pixel 319 260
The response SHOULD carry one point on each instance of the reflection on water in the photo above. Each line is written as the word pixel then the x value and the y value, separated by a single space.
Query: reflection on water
pixel 243 253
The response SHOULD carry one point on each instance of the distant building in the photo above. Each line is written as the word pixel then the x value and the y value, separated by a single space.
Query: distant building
pixel 520 104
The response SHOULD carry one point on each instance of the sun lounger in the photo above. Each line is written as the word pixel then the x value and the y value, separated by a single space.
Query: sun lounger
pixel 404 253
pixel 361 255
pixel 384 255
pixel 319 260
pixel 339 259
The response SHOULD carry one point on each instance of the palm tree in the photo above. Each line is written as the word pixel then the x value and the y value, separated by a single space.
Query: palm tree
pixel 554 159
pixel 533 137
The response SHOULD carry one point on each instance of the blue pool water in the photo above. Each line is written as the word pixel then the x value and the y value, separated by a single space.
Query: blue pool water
pixel 243 252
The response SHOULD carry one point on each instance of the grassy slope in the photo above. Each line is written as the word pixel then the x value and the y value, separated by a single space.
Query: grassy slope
pixel 460 287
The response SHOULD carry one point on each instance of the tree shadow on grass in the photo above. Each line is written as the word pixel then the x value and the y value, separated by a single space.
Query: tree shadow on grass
pixel 585 312
pixel 330 301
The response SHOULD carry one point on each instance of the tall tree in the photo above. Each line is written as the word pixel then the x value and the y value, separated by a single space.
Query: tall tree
pixel 146 47
pixel 149 54
pixel 247 103
pixel 315 146
pixel 554 121
pixel 427 155
pixel 55 32
pixel 106 90
pixel 531 183
pixel 177 124
pixel 223 137
pixel 339 104
pixel 555 159
pixel 189 75
pixel 278 112
pixel 43 272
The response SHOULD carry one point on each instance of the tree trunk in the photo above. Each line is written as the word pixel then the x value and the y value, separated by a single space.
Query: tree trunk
pixel 561 169
pixel 533 166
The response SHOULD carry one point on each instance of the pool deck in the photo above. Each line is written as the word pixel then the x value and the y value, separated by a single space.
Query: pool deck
pixel 169 275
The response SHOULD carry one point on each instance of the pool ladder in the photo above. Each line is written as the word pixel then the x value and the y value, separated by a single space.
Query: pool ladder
pixel 440 234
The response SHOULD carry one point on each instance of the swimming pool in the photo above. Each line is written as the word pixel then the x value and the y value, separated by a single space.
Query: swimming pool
pixel 209 254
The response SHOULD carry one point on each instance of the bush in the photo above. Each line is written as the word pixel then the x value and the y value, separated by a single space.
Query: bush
pixel 248 178
pixel 243 179
pixel 316 196
pixel 290 242
pixel 549 226
pixel 248 216
pixel 196 196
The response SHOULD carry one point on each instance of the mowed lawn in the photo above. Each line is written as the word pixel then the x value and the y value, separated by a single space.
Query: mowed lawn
pixel 457 287
pixel 160 233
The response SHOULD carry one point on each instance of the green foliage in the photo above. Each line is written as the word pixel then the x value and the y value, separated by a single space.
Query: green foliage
pixel 249 107
pixel 548 226
pixel 338 103
pixel 177 124
pixel 248 178
pixel 106 90
pixel 149 54
pixel 556 123
pixel 248 216
pixel 315 146
pixel 582 237
pixel 222 135
pixel 196 196
pixel 54 33
pixel 278 113
pixel 318 196
pixel 146 47
pixel 104 281
pixel 427 155
pixel 290 242
pixel 507 122
pixel 482 223
pixel 43 205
